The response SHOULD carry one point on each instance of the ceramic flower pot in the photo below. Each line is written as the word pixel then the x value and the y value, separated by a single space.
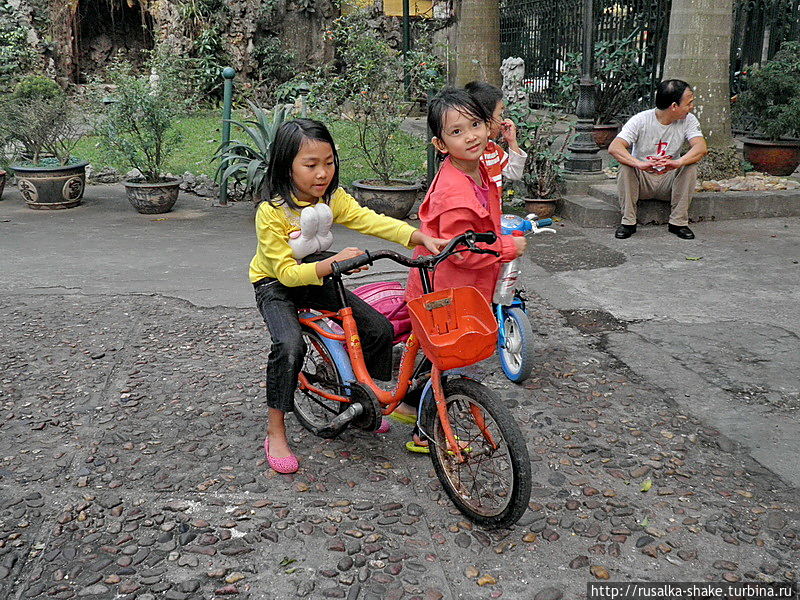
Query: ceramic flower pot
pixel 544 208
pixel 152 198
pixel 604 134
pixel 776 157
pixel 394 200
pixel 53 187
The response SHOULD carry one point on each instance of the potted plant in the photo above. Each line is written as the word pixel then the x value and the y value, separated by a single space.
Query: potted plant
pixel 620 79
pixel 539 135
pixel 246 162
pixel 137 129
pixel 43 127
pixel 368 89
pixel 772 97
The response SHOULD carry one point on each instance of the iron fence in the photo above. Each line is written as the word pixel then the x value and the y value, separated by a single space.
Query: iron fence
pixel 544 32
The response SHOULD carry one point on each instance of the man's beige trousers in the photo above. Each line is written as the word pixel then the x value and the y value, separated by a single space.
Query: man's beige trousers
pixel 676 186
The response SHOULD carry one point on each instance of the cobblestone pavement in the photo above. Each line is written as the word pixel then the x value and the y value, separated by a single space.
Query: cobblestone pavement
pixel 131 467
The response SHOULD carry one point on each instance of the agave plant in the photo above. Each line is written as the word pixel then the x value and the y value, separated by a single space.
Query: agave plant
pixel 246 162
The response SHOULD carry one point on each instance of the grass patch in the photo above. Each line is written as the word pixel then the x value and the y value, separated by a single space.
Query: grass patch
pixel 201 133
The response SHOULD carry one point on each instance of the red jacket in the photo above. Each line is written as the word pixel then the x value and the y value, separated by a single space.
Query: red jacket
pixel 450 208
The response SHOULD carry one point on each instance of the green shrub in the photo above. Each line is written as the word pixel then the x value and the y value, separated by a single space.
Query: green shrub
pixel 772 96
pixel 208 54
pixel 619 76
pixel 39 120
pixel 16 54
pixel 274 66
pixel 36 86
pixel 537 135
pixel 138 127
pixel 367 87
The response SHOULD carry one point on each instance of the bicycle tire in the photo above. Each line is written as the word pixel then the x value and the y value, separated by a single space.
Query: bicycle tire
pixel 495 506
pixel 312 411
pixel 516 358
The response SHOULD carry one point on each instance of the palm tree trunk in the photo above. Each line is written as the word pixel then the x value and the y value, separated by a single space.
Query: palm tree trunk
pixel 698 51
pixel 478 46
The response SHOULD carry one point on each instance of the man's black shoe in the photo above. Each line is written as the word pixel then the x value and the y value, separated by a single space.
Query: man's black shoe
pixel 681 231
pixel 625 231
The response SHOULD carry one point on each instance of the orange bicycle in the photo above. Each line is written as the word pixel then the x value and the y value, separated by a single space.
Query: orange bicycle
pixel 478 451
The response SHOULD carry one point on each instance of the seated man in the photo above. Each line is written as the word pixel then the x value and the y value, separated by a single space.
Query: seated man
pixel 653 167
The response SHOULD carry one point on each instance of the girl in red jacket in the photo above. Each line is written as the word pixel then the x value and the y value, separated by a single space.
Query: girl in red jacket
pixel 461 197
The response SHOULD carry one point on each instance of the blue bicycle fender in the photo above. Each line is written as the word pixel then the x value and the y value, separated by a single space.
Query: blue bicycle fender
pixel 338 353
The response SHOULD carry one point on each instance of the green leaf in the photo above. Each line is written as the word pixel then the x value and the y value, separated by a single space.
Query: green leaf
pixel 646 485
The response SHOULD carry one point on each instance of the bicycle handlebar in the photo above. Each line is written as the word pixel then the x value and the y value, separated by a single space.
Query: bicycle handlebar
pixel 468 239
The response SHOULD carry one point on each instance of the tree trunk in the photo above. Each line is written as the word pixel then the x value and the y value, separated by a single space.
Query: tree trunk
pixel 478 47
pixel 698 51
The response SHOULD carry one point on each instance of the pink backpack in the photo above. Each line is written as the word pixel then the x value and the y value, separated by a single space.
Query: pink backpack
pixel 388 298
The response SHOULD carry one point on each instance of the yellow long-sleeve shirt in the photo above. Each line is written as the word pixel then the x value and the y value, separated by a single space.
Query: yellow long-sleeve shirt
pixel 274 255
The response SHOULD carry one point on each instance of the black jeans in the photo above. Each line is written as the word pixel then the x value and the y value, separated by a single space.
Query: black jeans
pixel 278 305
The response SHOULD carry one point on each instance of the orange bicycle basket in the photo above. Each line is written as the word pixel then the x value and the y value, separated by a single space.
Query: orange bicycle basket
pixel 455 327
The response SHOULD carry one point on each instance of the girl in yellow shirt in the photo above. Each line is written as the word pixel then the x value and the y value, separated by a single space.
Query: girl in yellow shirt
pixel 304 172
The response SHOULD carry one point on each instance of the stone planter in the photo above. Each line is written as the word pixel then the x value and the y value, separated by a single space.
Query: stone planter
pixel 152 198
pixel 543 207
pixel 776 157
pixel 604 134
pixel 395 200
pixel 2 182
pixel 51 187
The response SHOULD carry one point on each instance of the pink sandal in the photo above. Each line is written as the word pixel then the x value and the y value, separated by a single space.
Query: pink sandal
pixel 385 426
pixel 285 465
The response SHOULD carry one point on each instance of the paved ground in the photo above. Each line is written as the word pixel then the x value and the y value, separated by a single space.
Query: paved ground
pixel 132 415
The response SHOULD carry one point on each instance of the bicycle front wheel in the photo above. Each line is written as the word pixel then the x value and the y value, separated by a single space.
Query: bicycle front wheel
pixel 491 484
pixel 516 357
pixel 313 411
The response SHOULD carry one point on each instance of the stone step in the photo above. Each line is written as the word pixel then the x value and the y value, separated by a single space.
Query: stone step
pixel 706 206
pixel 605 192
pixel 587 211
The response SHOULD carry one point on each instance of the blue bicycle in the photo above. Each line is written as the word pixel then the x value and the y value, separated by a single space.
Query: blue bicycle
pixel 515 334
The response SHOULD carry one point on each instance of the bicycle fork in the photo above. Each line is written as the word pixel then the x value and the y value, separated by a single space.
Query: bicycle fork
pixel 453 443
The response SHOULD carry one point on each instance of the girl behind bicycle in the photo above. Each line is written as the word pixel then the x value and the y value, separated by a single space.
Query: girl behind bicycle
pixel 304 171
pixel 461 197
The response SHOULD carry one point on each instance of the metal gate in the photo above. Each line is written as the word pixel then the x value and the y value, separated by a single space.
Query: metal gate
pixel 543 32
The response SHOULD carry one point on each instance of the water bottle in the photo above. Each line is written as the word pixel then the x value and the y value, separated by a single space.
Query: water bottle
pixel 509 273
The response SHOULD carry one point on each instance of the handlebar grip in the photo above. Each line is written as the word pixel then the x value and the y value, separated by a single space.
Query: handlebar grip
pixel 544 222
pixel 490 237
pixel 343 266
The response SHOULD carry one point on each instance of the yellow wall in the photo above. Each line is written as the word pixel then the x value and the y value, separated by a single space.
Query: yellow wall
pixel 416 8
pixel 392 8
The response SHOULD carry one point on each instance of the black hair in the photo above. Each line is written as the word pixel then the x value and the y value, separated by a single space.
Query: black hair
pixel 488 95
pixel 669 91
pixel 278 185
pixel 459 100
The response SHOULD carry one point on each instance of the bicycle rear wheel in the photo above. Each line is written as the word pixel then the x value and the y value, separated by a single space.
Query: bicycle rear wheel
pixel 516 357
pixel 313 411
pixel 492 485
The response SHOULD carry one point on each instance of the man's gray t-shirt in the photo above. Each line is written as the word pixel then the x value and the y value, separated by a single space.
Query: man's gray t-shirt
pixel 649 138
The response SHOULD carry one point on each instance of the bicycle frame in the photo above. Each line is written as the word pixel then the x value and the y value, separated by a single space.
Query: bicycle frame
pixel 349 337
pixel 389 400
